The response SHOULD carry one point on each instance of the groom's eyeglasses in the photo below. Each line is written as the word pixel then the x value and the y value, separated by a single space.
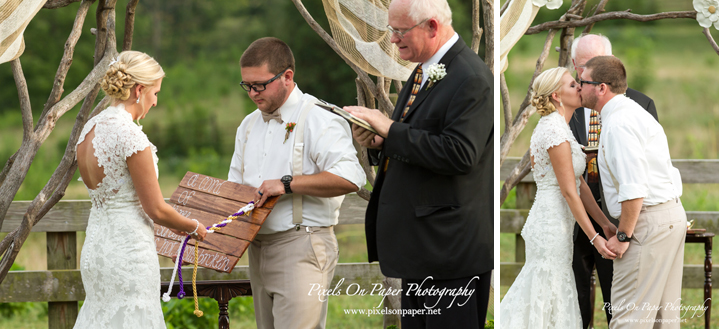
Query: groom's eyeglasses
pixel 258 87
pixel 596 83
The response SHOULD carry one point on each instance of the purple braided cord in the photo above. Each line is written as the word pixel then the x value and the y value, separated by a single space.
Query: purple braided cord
pixel 181 294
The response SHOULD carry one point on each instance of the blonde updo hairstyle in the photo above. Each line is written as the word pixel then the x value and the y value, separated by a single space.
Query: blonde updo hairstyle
pixel 544 86
pixel 131 68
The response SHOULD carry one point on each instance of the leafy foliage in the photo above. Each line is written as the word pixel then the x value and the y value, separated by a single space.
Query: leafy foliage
pixel 179 312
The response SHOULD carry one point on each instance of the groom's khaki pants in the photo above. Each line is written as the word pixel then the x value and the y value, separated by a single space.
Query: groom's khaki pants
pixel 284 268
pixel 646 288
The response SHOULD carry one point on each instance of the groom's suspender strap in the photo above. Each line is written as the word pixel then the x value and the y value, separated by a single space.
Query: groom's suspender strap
pixel 244 146
pixel 297 156
pixel 297 153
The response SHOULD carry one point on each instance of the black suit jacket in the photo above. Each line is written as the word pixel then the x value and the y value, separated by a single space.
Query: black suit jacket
pixel 431 212
pixel 579 130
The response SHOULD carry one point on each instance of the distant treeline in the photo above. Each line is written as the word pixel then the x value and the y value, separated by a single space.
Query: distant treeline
pixel 199 40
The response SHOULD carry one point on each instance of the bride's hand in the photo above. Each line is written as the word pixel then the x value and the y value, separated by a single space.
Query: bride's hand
pixel 601 244
pixel 201 233
pixel 610 230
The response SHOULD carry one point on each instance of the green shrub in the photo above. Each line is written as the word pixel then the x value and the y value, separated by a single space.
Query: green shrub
pixel 179 312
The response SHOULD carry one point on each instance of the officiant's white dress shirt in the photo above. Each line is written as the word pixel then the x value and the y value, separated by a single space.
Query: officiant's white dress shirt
pixel 633 158
pixel 328 147
pixel 437 57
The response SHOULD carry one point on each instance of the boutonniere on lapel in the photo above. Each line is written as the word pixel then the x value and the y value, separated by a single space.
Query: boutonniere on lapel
pixel 435 72
pixel 289 127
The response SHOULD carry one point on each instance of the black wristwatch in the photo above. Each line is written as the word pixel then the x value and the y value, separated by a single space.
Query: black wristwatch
pixel 286 180
pixel 622 237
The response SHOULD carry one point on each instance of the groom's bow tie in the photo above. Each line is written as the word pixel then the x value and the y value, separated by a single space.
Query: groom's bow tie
pixel 269 116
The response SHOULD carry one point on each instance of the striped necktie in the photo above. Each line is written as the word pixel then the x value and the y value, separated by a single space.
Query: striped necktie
pixel 415 89
pixel 594 127
pixel 593 142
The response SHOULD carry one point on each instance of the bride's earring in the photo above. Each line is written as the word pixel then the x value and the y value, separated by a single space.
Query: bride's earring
pixel 138 100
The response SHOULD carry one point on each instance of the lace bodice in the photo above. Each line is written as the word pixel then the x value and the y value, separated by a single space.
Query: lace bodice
pixel 116 139
pixel 551 131
pixel 119 265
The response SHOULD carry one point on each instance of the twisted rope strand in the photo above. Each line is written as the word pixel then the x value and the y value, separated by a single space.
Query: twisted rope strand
pixel 178 261
pixel 194 279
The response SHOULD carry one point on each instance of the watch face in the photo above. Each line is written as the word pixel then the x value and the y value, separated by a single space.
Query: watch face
pixel 621 236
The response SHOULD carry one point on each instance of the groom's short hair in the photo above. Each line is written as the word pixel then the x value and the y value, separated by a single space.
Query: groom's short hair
pixel 610 70
pixel 271 51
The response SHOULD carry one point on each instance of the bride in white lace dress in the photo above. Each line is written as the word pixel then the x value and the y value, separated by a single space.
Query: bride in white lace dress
pixel 119 265
pixel 544 293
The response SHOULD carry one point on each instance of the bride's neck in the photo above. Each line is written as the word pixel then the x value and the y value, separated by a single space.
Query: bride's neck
pixel 567 114
pixel 131 107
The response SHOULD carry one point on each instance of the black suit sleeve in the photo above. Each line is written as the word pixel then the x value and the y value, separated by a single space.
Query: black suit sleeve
pixel 643 100
pixel 652 109
pixel 467 130
pixel 374 157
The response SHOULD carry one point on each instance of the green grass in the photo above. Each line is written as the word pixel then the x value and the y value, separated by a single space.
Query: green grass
pixel 690 298
pixel 671 62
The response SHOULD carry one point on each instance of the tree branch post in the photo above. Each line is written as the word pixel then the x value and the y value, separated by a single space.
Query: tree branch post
pixel 607 16
pixel 488 8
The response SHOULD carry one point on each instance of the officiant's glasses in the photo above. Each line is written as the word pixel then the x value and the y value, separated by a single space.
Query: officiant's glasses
pixel 401 34
pixel 596 83
pixel 258 87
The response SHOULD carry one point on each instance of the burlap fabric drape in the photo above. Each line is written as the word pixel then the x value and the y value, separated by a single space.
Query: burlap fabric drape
pixel 360 29
pixel 15 15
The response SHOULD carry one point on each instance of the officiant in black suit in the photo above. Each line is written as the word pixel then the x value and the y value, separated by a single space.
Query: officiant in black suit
pixel 430 216
pixel 586 257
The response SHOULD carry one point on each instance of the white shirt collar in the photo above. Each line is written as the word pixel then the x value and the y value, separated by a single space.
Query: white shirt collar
pixel 611 105
pixel 439 54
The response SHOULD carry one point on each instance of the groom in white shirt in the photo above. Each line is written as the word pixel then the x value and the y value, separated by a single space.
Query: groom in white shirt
pixel 291 148
pixel 642 190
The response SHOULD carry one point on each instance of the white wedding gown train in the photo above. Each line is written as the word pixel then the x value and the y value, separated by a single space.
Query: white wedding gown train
pixel 544 294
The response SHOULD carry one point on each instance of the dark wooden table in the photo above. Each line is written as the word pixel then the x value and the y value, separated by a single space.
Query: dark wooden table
pixel 693 236
pixel 697 236
pixel 221 291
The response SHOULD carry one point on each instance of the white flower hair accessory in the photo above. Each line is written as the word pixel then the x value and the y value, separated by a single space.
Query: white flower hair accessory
pixel 707 12
pixel 435 72
pixel 551 4
pixel 113 61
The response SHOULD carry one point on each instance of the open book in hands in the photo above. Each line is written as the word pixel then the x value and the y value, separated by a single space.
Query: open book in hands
pixel 347 116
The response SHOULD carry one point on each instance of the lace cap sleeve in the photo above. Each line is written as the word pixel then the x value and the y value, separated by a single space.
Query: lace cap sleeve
pixel 132 140
pixel 552 130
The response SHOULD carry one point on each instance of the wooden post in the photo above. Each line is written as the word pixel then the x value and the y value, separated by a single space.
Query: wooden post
pixel 61 255
pixel 708 280
pixel 389 319
pixel 525 199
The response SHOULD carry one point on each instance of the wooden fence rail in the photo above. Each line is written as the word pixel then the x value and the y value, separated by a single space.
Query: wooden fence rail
pixel 61 285
pixel 512 220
